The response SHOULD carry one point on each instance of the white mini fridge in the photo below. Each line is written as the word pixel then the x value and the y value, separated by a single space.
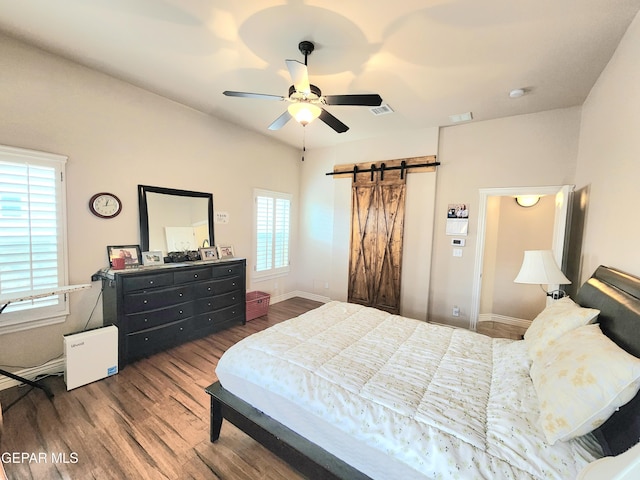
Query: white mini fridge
pixel 90 356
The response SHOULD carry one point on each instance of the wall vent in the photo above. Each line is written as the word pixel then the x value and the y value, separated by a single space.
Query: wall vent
pixel 381 110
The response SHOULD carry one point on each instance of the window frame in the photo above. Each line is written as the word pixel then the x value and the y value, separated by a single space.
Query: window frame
pixel 45 315
pixel 272 272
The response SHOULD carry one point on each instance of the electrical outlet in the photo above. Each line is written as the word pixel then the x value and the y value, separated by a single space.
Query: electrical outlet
pixel 456 311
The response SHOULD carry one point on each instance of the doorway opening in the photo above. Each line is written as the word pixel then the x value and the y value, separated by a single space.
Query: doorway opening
pixel 505 231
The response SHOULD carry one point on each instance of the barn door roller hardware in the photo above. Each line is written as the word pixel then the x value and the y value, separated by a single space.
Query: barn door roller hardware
pixel 403 165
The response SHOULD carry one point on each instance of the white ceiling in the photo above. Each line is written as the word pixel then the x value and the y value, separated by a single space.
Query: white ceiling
pixel 428 59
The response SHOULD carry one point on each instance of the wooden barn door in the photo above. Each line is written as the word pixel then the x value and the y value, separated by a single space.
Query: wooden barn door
pixel 377 223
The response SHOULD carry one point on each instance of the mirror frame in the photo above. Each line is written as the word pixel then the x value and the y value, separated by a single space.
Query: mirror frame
pixel 144 211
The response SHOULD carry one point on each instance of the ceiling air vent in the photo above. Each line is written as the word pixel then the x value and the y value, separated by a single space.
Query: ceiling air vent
pixel 381 110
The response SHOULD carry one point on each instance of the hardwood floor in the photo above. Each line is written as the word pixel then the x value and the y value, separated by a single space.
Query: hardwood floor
pixel 150 421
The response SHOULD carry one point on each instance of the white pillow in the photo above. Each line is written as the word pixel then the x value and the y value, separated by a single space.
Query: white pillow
pixel 581 380
pixel 558 318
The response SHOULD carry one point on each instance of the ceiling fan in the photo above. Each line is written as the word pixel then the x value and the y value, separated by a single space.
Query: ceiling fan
pixel 306 100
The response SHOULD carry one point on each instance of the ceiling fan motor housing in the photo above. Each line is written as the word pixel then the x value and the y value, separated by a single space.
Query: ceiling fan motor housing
pixel 316 93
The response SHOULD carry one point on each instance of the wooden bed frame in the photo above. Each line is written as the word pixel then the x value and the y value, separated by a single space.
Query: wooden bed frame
pixel 615 293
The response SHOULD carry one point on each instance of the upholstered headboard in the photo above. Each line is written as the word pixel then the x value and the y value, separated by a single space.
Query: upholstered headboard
pixel 617 295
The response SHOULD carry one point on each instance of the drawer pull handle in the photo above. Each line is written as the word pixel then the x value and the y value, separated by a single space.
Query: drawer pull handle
pixel 146 339
pixel 150 282
pixel 181 328
pixel 209 304
pixel 208 289
pixel 195 275
pixel 233 284
pixel 180 312
pixel 230 270
pixel 180 294
pixel 146 320
pixel 233 298
pixel 145 301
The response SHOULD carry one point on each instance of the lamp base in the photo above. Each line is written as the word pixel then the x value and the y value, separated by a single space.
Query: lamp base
pixel 557 294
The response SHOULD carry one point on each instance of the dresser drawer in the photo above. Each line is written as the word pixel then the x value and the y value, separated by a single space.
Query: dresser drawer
pixel 140 282
pixel 148 341
pixel 207 320
pixel 157 298
pixel 209 304
pixel 152 318
pixel 192 275
pixel 216 287
pixel 227 270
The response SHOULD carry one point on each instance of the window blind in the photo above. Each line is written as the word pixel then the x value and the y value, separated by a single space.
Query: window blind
pixel 273 212
pixel 32 242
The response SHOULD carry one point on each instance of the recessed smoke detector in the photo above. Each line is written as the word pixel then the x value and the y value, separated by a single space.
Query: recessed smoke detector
pixel 461 117
pixel 381 110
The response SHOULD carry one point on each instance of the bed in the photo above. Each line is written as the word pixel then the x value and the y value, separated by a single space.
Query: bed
pixel 346 391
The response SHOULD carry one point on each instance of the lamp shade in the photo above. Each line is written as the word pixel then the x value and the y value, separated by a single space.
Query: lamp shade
pixel 304 112
pixel 540 267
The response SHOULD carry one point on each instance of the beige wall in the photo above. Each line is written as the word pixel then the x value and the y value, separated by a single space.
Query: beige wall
pixel 609 161
pixel 527 150
pixel 116 137
pixel 326 222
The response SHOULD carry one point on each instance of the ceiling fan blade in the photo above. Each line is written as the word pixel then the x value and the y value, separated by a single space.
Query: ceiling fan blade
pixel 262 96
pixel 279 122
pixel 299 76
pixel 367 100
pixel 333 122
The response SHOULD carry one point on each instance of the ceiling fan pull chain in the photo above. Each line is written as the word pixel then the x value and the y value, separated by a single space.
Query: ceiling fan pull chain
pixel 304 141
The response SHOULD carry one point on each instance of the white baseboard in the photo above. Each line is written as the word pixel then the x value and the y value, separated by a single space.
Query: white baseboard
pixel 53 367
pixel 492 317
pixel 299 293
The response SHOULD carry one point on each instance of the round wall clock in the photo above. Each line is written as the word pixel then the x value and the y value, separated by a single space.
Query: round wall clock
pixel 105 205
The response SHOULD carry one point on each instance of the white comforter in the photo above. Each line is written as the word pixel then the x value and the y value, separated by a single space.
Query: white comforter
pixel 445 402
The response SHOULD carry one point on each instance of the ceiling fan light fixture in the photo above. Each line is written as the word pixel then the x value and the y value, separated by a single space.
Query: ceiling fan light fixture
pixel 304 112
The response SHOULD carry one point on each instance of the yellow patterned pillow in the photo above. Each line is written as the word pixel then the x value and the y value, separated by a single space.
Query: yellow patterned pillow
pixel 555 320
pixel 581 380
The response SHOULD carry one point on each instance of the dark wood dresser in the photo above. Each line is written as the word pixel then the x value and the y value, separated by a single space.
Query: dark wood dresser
pixel 156 308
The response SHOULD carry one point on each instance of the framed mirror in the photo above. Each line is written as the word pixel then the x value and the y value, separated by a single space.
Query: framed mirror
pixel 174 220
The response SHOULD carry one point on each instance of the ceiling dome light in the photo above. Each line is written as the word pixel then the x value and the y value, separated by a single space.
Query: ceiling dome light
pixel 527 200
pixel 304 112
pixel 517 93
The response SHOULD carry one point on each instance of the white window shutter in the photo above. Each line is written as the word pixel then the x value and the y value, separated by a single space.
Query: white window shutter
pixel 273 224
pixel 32 233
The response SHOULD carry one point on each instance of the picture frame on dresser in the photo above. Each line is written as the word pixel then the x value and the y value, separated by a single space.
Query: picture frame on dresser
pixel 208 253
pixel 130 253
pixel 225 251
pixel 151 258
